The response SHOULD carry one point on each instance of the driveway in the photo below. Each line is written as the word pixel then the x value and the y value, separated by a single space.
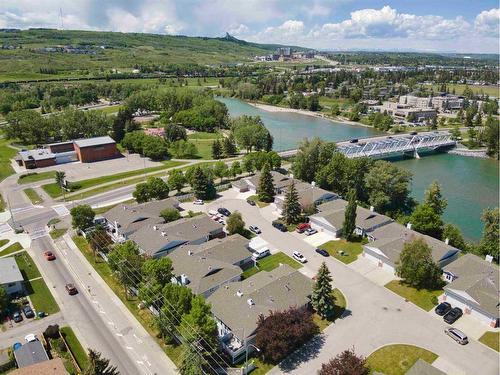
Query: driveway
pixel 371 271
pixel 396 321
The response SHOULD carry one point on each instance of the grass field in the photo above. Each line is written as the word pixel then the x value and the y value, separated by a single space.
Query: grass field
pixel 6 153
pixel 423 298
pixel 269 263
pixel 76 348
pixel 351 250
pixel 478 90
pixel 35 177
pixel 397 359
pixel 204 147
pixel 55 191
pixel 16 246
pixel 109 110
pixel 491 339
pixel 33 196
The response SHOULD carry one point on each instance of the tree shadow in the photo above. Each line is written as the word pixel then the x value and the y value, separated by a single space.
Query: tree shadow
pixel 304 354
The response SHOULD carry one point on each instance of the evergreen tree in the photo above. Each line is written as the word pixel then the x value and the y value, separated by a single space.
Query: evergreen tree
pixel 434 198
pixel 203 186
pixel 266 186
pixel 229 146
pixel 216 150
pixel 99 365
pixel 191 361
pixel 322 298
pixel 291 206
pixel 350 215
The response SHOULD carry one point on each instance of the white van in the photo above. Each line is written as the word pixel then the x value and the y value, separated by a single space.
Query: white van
pixel 261 253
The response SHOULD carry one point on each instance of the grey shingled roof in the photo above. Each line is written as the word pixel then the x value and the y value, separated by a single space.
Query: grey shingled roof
pixel 280 180
pixel 309 194
pixel 423 368
pixel 96 141
pixel 203 273
pixel 176 233
pixel 52 367
pixel 276 290
pixel 479 279
pixel 9 271
pixel 30 353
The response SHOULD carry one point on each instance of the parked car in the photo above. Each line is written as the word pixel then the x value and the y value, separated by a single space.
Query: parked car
pixel 199 202
pixel 255 229
pixel 28 312
pixel 261 253
pixel 413 133
pixel 71 289
pixel 251 202
pixel 322 252
pixel 302 227
pixel 453 315
pixel 355 140
pixel 224 211
pixel 299 257
pixel 17 317
pixel 310 231
pixel 49 255
pixel 30 337
pixel 212 212
pixel 279 225
pixel 442 308
pixel 457 335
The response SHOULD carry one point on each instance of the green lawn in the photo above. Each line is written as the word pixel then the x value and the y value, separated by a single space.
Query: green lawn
pixel 270 262
pixel 255 198
pixel 55 191
pixel 397 359
pixel 204 135
pixel 6 153
pixel 204 147
pixel 35 176
pixel 16 246
pixel 3 242
pixel 109 110
pixel 340 306
pixel 351 250
pixel 491 339
pixel 2 204
pixel 26 265
pixel 76 348
pixel 56 233
pixel 33 196
pixel 423 298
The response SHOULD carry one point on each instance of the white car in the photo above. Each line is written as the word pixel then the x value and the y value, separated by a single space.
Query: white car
pixel 212 212
pixel 299 257
pixel 31 337
pixel 310 231
pixel 255 229
pixel 198 202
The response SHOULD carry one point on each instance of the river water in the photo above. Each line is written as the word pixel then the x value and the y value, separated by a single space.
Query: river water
pixel 469 184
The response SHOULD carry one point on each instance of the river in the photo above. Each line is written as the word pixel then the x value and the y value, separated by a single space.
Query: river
pixel 469 184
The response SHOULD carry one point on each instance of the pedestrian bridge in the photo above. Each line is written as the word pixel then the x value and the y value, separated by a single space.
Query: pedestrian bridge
pixel 390 145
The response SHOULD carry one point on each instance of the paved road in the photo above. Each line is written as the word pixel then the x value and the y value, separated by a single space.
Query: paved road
pixel 19 331
pixel 376 316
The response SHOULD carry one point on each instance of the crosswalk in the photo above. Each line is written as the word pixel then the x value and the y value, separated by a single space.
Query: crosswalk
pixel 61 210
pixel 38 233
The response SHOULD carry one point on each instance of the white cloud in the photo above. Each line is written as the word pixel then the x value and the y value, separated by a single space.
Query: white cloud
pixel 488 22
pixel 239 30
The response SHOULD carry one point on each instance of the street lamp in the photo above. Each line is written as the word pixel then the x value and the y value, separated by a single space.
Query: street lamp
pixel 246 354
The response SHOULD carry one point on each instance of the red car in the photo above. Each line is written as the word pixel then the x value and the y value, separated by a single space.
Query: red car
pixel 71 289
pixel 49 255
pixel 302 227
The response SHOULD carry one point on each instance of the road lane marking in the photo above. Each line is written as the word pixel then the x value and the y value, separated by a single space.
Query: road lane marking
pixel 61 210
pixel 119 335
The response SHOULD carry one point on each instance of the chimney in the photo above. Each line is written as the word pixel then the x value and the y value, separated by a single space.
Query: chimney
pixel 190 252
pixel 447 241
pixel 239 294
pixel 408 226
pixel 250 302
pixel 372 209
pixel 155 227
pixel 184 279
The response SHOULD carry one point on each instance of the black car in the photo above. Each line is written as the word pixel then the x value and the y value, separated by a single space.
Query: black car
pixel 322 252
pixel 28 312
pixel 453 315
pixel 353 140
pixel 442 308
pixel 17 317
pixel 279 225
pixel 224 211
pixel 251 202
pixel 413 133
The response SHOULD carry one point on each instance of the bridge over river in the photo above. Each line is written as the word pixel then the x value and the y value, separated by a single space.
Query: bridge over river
pixel 390 145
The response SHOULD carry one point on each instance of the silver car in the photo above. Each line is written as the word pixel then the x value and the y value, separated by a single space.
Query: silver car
pixel 457 335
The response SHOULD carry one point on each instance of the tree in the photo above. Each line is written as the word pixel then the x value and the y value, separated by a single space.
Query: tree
pixel 235 223
pixel 491 136
pixel 119 122
pixel 322 299
pixel 60 178
pixel 350 215
pixel 156 274
pixel 176 180
pixel 202 184
pixel 175 132
pixel 177 302
pixel 154 148
pixel 141 192
pixel 282 332
pixel 312 155
pixel 191 361
pixel 266 186
pixel 216 150
pixel 170 214
pixel 345 363
pixel 416 266
pixel 98 365
pixel 250 133
pixel 229 146
pixel 434 198
pixel 454 236
pixel 426 221
pixel 125 260
pixel 248 164
pixel 220 170
pixel 235 169
pixel 489 243
pixel 82 217
pixel 4 300
pixel 153 188
pixel 291 206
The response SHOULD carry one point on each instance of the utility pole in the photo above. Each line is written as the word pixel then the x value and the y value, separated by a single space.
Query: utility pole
pixel 11 213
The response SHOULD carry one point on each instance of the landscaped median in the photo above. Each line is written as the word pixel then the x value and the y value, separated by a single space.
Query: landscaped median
pixel 33 196
pixel 269 263
pixel 16 246
pixel 76 348
pixel 397 359
pixel 345 251
pixel 423 298
pixel 28 178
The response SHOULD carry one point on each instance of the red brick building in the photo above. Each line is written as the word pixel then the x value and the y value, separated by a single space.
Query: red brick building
pixel 95 149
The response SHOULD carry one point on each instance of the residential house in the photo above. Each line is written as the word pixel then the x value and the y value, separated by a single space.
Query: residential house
pixel 30 353
pixel 51 367
pixel 474 287
pixel 309 196
pixel 11 278
pixel 330 219
pixel 421 367
pixel 157 240
pixel 124 219
pixel 237 306
pixel 389 240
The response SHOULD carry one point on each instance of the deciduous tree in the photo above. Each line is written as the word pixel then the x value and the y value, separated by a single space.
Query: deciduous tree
pixel 235 223
pixel 170 214
pixel 82 216
pixel 176 180
pixel 345 363
pixel 489 243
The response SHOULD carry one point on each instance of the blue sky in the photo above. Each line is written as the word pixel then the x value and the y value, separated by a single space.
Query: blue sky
pixel 438 25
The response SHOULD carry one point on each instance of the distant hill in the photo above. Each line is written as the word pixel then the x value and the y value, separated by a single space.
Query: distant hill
pixel 29 53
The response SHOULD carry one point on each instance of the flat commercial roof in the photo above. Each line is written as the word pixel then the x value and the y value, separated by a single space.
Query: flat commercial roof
pixel 36 154
pixel 9 271
pixel 96 141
